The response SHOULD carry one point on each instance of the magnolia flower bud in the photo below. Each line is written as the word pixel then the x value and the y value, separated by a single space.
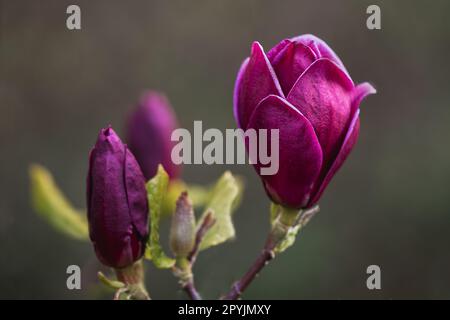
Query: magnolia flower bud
pixel 301 88
pixel 182 231
pixel 116 202
pixel 149 130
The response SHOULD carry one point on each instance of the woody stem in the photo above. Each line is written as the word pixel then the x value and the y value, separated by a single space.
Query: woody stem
pixel 277 234
pixel 183 269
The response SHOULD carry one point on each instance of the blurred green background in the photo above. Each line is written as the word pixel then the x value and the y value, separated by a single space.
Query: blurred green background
pixel 389 205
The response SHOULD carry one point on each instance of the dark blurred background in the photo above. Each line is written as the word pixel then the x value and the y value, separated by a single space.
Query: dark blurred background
pixel 389 205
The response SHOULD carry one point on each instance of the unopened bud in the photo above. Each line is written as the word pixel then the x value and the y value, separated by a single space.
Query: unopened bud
pixel 182 231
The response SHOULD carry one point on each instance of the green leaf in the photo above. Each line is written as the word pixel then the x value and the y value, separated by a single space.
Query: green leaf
pixel 241 186
pixel 156 190
pixel 113 284
pixel 274 212
pixel 288 240
pixel 50 203
pixel 286 224
pixel 287 232
pixel 222 201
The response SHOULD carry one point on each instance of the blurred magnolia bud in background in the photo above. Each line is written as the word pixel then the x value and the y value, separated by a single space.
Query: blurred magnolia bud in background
pixel 149 129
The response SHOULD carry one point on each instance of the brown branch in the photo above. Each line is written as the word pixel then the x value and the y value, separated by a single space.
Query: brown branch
pixel 265 256
pixel 261 261
pixel 191 291
pixel 307 215
pixel 207 223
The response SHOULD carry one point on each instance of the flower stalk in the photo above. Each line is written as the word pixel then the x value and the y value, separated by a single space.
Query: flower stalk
pixel 286 220
pixel 133 278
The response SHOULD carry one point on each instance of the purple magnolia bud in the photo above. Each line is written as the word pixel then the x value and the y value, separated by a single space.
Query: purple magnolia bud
pixel 116 201
pixel 149 130
pixel 301 88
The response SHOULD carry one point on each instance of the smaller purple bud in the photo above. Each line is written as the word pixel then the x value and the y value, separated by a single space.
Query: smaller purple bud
pixel 117 202
pixel 149 130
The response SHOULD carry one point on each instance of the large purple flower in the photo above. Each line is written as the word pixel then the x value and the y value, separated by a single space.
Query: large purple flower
pixel 149 130
pixel 116 201
pixel 301 88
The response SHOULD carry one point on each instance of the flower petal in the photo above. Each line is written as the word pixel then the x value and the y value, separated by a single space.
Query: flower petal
pixel 349 142
pixel 136 194
pixel 320 48
pixel 300 155
pixel 323 95
pixel 272 53
pixel 291 62
pixel 360 92
pixel 89 190
pixel 257 82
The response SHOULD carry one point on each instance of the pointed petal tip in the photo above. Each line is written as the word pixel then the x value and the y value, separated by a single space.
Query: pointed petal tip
pixel 256 48
pixel 361 91
pixel 256 44
pixel 108 137
pixel 273 53
pixel 257 82
pixel 366 88
pixel 107 131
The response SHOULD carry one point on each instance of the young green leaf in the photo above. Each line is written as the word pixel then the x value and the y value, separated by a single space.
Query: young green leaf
pixel 156 190
pixel 113 284
pixel 240 183
pixel 222 201
pixel 289 222
pixel 50 203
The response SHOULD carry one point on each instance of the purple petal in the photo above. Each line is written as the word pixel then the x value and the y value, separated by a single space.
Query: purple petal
pixel 89 187
pixel 277 49
pixel 257 81
pixel 320 48
pixel 237 86
pixel 291 62
pixel 300 156
pixel 349 142
pixel 136 194
pixel 360 92
pixel 323 95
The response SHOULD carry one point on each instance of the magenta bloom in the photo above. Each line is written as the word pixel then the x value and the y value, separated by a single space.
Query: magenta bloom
pixel 149 130
pixel 116 201
pixel 301 88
